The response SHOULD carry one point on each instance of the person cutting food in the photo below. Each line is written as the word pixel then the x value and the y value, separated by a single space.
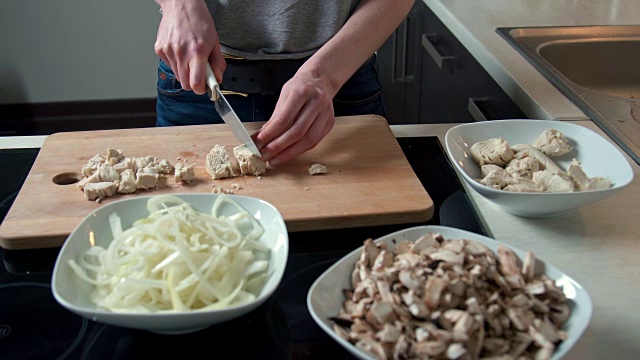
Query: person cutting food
pixel 296 64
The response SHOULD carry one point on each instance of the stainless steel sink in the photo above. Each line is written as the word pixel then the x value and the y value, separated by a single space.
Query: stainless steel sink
pixel 597 67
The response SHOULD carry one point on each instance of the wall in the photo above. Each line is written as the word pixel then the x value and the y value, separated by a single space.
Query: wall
pixel 75 50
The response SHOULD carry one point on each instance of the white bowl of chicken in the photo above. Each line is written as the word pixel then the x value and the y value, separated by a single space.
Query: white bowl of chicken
pixel 537 168
pixel 439 292
pixel 172 264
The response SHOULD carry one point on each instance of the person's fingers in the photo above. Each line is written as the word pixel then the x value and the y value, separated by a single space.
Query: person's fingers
pixel 285 113
pixel 217 63
pixel 197 75
pixel 167 55
pixel 318 130
pixel 304 120
pixel 183 70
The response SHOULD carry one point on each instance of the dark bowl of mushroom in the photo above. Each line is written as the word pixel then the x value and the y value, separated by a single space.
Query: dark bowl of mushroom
pixel 435 292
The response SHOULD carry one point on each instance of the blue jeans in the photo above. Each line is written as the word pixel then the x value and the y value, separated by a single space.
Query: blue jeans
pixel 360 95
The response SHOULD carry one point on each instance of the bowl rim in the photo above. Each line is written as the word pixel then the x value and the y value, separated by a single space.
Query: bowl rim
pixel 264 295
pixel 629 175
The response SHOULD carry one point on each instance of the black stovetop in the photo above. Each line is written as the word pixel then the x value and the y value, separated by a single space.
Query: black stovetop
pixel 34 326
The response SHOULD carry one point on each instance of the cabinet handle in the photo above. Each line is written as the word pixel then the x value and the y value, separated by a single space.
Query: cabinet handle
pixel 403 29
pixel 443 62
pixel 475 111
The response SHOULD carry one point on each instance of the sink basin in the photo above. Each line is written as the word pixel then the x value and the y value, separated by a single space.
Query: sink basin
pixel 597 67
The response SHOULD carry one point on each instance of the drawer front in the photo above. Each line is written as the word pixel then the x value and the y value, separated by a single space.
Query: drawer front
pixel 455 87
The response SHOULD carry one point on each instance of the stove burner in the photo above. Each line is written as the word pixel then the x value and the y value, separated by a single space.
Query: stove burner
pixel 34 326
pixel 305 338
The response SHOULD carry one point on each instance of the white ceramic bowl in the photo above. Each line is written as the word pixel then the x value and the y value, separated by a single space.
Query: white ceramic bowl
pixel 597 155
pixel 73 294
pixel 325 297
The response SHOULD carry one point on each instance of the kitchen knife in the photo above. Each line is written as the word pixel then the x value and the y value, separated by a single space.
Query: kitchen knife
pixel 227 114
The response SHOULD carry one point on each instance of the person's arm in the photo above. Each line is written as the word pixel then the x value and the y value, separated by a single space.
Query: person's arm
pixel 187 41
pixel 304 113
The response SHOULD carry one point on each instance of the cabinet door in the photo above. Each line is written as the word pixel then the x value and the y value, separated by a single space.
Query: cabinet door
pixel 455 87
pixel 441 100
pixel 399 61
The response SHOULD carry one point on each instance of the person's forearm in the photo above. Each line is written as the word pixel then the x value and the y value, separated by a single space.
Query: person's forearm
pixel 365 31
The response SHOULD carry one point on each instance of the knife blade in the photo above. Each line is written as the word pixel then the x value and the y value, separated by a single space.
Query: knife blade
pixel 227 114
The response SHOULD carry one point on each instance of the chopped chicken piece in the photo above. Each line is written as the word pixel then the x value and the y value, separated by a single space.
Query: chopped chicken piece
pixel 128 183
pixel 493 175
pixel 526 150
pixel 142 162
pixel 108 173
pixel 553 143
pixel 521 184
pixel 493 170
pixel 249 163
pixel 554 182
pixel 218 164
pixel 184 172
pixel 98 158
pixel 100 190
pixel 147 178
pixel 93 178
pixel 524 167
pixel 583 182
pixel 164 167
pixel 92 165
pixel 317 169
pixel 492 151
pixel 114 156
pixel 126 163
pixel 89 168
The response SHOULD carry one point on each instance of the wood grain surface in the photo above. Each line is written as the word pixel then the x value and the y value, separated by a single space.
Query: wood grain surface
pixel 369 180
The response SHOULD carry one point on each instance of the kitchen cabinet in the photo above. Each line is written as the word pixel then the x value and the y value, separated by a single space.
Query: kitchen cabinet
pixel 399 61
pixel 428 76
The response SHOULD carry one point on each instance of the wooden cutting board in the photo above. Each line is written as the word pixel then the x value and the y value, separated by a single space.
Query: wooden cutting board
pixel 369 180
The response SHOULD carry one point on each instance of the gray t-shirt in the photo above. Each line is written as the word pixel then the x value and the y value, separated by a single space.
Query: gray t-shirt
pixel 277 29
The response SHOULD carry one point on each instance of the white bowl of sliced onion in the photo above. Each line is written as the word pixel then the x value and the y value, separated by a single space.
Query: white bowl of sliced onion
pixel 172 264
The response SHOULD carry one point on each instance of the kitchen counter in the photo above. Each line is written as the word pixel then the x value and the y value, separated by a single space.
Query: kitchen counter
pixel 474 23
pixel 597 245
pixel 281 328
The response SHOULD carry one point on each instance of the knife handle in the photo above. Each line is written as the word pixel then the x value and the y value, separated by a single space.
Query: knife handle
pixel 212 84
